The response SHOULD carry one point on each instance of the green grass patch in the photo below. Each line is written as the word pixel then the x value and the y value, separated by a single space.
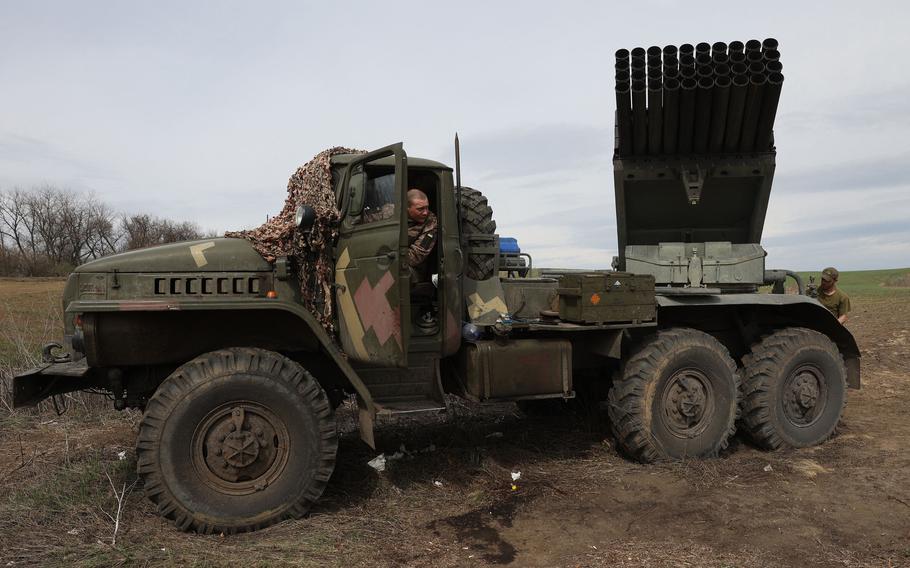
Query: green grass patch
pixel 887 282
pixel 79 485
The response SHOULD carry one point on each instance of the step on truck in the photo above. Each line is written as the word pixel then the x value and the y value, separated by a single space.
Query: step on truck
pixel 688 337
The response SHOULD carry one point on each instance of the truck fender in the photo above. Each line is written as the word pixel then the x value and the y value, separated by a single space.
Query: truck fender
pixel 365 403
pixel 781 310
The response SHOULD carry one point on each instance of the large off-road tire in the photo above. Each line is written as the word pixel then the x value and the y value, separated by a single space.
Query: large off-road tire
pixel 477 218
pixel 794 389
pixel 236 440
pixel 676 397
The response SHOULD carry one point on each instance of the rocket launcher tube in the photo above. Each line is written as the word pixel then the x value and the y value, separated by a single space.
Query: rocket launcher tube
pixel 735 109
pixel 671 114
pixel 751 111
pixel 655 115
pixel 768 112
pixel 703 98
pixel 624 117
pixel 719 106
pixel 639 118
pixel 686 115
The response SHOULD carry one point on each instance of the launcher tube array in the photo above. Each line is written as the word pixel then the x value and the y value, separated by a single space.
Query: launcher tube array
pixel 702 99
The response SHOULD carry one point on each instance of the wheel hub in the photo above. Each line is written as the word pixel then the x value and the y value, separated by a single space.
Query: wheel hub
pixel 686 402
pixel 240 448
pixel 803 395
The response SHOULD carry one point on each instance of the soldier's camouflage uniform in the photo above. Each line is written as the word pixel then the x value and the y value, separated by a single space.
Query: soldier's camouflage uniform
pixel 421 240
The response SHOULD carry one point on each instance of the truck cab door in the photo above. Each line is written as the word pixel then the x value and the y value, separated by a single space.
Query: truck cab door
pixel 372 281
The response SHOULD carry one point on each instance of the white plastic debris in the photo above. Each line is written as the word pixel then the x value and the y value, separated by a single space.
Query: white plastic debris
pixel 121 455
pixel 73 531
pixel 437 483
pixel 516 475
pixel 378 463
pixel 768 468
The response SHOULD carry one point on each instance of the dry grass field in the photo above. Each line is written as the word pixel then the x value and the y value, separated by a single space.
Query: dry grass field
pixel 449 502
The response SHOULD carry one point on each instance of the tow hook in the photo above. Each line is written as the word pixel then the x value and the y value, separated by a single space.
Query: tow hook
pixel 48 356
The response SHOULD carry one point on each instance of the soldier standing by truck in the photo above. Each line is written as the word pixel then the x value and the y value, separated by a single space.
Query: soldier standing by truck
pixel 832 297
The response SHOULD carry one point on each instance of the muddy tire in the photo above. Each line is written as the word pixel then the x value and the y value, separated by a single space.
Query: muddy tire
pixel 676 397
pixel 236 440
pixel 477 218
pixel 794 389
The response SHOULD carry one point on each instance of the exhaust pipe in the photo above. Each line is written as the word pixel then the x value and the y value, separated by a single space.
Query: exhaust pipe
pixel 639 118
pixel 735 112
pixel 719 112
pixel 671 114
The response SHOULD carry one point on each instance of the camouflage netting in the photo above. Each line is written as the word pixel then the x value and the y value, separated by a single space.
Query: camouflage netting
pixel 310 185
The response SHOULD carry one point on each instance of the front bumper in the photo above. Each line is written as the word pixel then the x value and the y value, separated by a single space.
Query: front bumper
pixel 35 385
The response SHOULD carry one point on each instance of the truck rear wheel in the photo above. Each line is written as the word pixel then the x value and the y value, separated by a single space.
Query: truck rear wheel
pixel 794 389
pixel 675 398
pixel 236 440
pixel 477 218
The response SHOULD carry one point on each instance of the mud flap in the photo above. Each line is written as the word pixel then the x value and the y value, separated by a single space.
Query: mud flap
pixel 853 379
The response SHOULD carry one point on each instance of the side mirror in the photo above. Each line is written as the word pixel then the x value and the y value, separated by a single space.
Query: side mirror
pixel 305 218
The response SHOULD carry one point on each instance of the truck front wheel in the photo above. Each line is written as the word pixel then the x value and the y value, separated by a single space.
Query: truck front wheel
pixel 675 398
pixel 794 389
pixel 236 440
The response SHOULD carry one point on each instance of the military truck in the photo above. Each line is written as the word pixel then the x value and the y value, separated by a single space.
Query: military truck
pixel 238 381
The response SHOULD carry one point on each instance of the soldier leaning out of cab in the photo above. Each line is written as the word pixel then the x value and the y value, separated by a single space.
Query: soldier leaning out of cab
pixel 421 235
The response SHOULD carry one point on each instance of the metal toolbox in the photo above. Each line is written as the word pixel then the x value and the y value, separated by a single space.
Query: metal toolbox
pixel 607 297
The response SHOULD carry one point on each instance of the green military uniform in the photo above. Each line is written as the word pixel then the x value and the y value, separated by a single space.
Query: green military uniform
pixel 837 303
pixel 421 240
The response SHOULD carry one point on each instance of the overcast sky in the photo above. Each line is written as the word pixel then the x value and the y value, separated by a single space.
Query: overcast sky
pixel 202 110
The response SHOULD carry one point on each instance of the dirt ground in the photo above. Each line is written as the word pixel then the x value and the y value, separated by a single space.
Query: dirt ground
pixel 449 500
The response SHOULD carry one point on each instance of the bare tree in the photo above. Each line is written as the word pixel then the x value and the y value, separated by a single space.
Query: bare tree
pixel 143 230
pixel 47 230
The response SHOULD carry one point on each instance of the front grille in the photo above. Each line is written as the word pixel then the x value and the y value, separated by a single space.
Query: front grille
pixel 208 286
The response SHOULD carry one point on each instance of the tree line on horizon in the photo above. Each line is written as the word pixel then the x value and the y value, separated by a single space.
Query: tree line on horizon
pixel 48 231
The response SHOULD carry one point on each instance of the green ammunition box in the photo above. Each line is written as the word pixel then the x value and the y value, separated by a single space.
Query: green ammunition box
pixel 607 297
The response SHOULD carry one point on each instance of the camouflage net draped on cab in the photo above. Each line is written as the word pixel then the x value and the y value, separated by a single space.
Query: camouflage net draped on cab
pixel 310 185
